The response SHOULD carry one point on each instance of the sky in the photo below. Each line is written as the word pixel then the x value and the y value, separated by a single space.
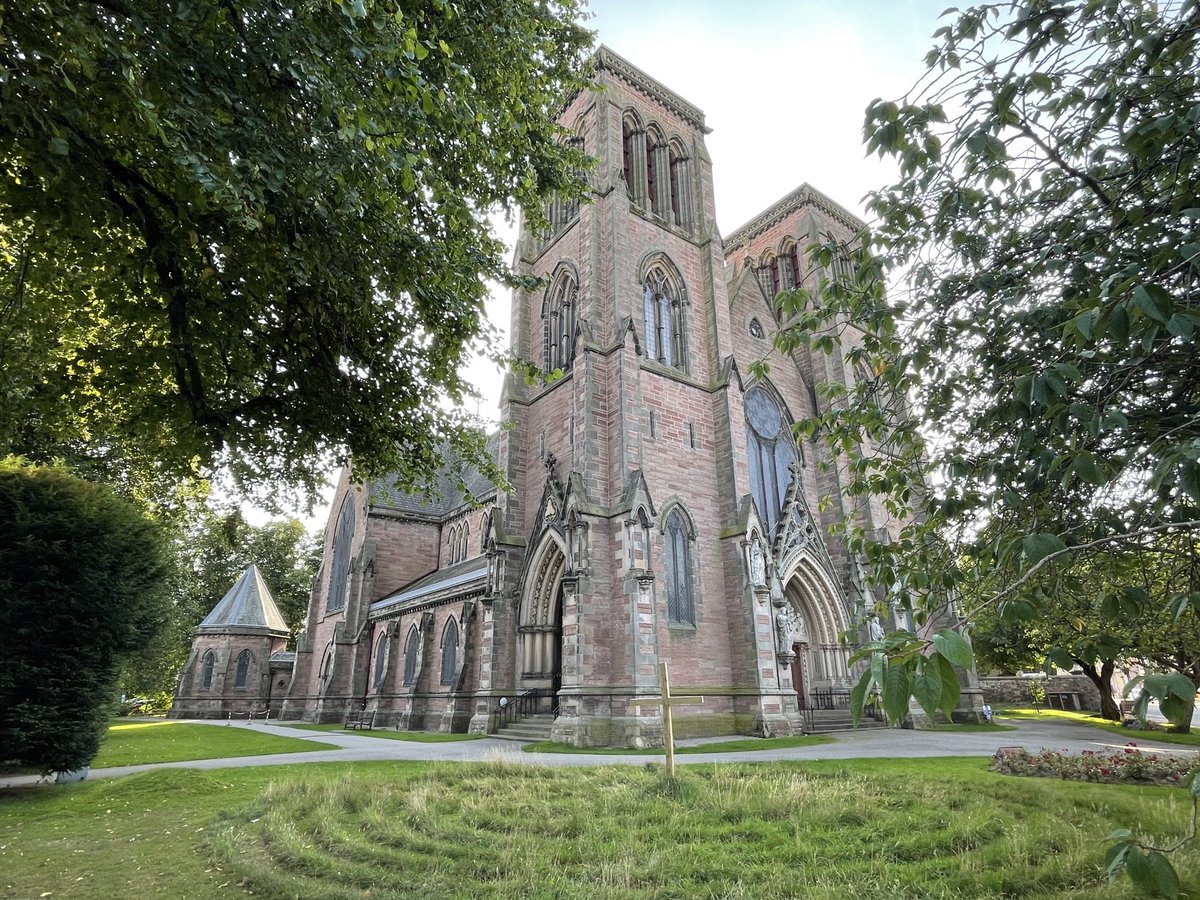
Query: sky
pixel 783 86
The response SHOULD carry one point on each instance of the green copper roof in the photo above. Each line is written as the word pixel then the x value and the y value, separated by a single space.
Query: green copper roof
pixel 248 604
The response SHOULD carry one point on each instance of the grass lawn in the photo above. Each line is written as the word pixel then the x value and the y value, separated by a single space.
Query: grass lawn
pixel 1157 732
pixel 421 737
pixel 733 745
pixel 844 828
pixel 135 743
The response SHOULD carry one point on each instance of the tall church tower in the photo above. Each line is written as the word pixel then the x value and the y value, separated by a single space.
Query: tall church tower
pixel 629 523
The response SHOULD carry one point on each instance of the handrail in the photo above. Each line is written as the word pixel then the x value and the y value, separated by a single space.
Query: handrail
pixel 529 703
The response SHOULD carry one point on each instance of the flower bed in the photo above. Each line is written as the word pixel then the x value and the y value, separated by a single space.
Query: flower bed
pixel 1127 766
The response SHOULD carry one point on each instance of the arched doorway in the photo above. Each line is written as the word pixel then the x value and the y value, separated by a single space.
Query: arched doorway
pixel 821 663
pixel 539 628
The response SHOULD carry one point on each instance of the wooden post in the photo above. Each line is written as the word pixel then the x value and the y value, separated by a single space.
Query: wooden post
pixel 666 701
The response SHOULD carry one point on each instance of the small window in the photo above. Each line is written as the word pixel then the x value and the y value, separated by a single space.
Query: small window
pixel 756 329
pixel 243 669
pixel 681 606
pixel 450 652
pixel 410 657
pixel 206 669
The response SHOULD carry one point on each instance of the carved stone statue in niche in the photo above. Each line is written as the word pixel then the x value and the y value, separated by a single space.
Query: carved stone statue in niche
pixel 758 563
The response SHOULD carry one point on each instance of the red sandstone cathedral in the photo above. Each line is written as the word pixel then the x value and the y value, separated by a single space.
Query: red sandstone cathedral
pixel 662 509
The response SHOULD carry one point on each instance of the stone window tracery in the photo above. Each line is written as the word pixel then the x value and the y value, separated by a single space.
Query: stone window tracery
pixel 770 454
pixel 206 669
pixel 663 307
pixel 559 315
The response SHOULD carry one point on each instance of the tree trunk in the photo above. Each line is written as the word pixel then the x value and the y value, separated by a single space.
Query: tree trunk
pixel 1103 682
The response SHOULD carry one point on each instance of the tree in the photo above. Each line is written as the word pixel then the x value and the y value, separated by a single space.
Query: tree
pixel 1110 611
pixel 1033 387
pixel 84 576
pixel 211 555
pixel 255 234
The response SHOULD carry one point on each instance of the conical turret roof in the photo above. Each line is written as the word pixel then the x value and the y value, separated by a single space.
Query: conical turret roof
pixel 248 604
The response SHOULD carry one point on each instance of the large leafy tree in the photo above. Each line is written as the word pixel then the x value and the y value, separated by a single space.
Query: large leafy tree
pixel 255 233
pixel 85 579
pixel 1034 369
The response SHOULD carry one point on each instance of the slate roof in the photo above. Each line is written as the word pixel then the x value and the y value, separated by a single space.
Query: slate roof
pixel 384 493
pixel 461 575
pixel 248 604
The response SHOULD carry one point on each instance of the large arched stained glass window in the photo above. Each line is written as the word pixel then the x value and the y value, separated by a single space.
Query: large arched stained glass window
pixel 339 571
pixel 206 669
pixel 450 652
pixel 243 669
pixel 681 602
pixel 770 454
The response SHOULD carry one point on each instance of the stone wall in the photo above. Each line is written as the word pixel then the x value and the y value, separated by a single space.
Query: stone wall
pixel 1014 691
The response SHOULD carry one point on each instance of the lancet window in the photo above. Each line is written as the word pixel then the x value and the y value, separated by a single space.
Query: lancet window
pixel 559 318
pixel 243 669
pixel 410 656
pixel 449 652
pixel 339 572
pixel 681 602
pixel 380 661
pixel 206 669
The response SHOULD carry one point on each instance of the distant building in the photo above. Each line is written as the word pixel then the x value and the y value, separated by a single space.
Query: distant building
pixel 239 664
pixel 662 508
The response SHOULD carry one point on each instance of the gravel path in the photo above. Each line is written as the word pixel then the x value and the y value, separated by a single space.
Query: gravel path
pixel 870 744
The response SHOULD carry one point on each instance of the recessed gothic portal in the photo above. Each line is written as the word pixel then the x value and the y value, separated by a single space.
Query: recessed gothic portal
pixel 539 657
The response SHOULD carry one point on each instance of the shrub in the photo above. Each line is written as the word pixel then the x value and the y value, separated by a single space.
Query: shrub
pixel 83 582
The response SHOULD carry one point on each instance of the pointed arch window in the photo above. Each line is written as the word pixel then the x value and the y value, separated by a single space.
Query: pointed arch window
pixel 339 573
pixel 792 266
pixel 681 200
pixel 243 669
pixel 559 313
pixel 380 662
pixel 776 284
pixel 663 307
pixel 450 652
pixel 770 454
pixel 206 669
pixel 681 603
pixel 410 657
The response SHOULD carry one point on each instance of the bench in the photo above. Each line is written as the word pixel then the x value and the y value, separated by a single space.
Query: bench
pixel 364 719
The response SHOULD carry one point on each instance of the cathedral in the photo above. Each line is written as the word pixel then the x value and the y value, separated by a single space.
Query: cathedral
pixel 662 510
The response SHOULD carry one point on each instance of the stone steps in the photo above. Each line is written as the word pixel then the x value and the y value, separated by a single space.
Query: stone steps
pixel 531 728
pixel 825 721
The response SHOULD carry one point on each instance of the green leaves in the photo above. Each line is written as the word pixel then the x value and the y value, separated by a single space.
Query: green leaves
pixel 258 235
pixel 1038 546
pixel 1149 870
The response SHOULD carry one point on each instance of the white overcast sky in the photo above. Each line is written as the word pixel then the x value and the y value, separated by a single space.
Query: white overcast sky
pixel 783 86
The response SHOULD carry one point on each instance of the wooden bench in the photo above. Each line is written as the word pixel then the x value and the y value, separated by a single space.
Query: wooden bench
pixel 364 719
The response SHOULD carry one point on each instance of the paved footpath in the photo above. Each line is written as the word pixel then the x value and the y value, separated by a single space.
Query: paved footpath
pixel 876 743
